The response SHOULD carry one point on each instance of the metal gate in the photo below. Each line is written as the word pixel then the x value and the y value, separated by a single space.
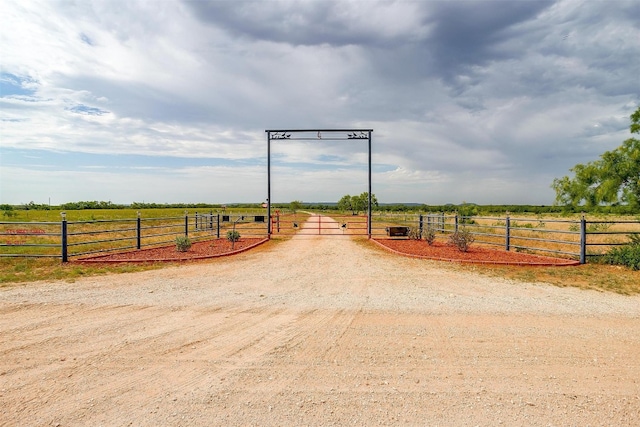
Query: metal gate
pixel 320 224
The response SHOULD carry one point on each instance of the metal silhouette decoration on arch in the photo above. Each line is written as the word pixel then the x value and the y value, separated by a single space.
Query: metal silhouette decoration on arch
pixel 310 135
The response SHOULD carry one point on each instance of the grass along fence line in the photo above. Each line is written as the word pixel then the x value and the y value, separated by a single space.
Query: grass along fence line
pixel 82 233
pixel 73 239
pixel 580 237
pixel 600 229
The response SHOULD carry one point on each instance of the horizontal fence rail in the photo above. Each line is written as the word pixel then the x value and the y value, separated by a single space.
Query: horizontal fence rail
pixel 577 239
pixel 307 224
pixel 571 238
pixel 30 239
pixel 77 239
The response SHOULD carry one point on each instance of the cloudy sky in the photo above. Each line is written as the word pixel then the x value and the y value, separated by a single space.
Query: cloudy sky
pixel 168 101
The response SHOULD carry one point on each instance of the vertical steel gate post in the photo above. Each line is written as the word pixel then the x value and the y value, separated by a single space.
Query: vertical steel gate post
pixel 269 225
pixel 583 240
pixel 63 238
pixel 218 226
pixel 186 225
pixel 369 215
pixel 507 232
pixel 420 227
pixel 138 233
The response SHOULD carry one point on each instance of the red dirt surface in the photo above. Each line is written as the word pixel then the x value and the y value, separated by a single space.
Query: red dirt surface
pixel 413 248
pixel 475 254
pixel 198 250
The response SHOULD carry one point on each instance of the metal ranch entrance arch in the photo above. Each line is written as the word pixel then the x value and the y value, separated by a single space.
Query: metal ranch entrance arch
pixel 317 135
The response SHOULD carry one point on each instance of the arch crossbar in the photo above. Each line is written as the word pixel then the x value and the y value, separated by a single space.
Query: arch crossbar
pixel 317 135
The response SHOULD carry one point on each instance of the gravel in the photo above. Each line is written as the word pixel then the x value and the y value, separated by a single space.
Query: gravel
pixel 316 330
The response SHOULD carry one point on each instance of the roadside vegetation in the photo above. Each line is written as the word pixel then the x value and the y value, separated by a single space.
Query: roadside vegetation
pixel 598 277
pixel 24 270
pixel 594 276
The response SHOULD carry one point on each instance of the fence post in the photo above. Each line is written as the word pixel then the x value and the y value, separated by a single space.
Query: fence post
pixel 186 224
pixel 507 238
pixel 456 222
pixel 63 239
pixel 218 227
pixel 138 232
pixel 420 227
pixel 211 220
pixel 583 240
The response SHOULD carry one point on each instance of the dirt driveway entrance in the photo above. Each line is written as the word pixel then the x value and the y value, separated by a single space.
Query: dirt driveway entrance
pixel 316 331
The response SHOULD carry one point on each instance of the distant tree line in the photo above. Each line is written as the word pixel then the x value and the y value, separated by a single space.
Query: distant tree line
pixel 96 204
pixel 360 204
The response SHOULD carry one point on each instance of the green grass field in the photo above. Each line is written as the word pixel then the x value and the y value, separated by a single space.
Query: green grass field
pixel 111 214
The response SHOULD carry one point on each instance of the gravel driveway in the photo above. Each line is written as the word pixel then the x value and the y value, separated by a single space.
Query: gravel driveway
pixel 316 331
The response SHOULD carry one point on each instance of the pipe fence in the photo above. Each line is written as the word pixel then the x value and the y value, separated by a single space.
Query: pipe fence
pixel 579 239
pixel 76 239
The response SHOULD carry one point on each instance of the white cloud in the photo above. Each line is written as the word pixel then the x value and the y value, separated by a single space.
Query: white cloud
pixel 478 101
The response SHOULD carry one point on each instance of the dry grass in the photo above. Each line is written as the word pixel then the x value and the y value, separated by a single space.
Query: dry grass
pixel 591 276
pixel 604 278
pixel 25 270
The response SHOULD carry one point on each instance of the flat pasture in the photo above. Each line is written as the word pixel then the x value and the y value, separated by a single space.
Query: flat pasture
pixel 604 231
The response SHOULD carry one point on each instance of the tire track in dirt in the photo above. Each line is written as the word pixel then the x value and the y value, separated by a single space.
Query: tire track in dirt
pixel 315 331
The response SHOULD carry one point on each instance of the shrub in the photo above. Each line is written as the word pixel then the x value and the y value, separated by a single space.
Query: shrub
pixel 627 255
pixel 233 236
pixel 183 244
pixel 462 239
pixel 430 235
pixel 414 233
pixel 466 211
pixel 514 224
pixel 598 226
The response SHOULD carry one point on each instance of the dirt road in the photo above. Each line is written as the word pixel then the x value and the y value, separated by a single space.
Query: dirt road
pixel 316 331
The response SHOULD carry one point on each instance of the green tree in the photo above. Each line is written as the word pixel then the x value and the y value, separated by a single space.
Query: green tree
pixel 344 204
pixel 356 204
pixel 362 201
pixel 615 178
pixel 7 211
pixel 295 206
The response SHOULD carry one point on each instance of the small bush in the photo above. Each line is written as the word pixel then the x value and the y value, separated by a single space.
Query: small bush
pixel 183 244
pixel 414 233
pixel 514 224
pixel 627 255
pixel 233 236
pixel 598 226
pixel 430 235
pixel 462 239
